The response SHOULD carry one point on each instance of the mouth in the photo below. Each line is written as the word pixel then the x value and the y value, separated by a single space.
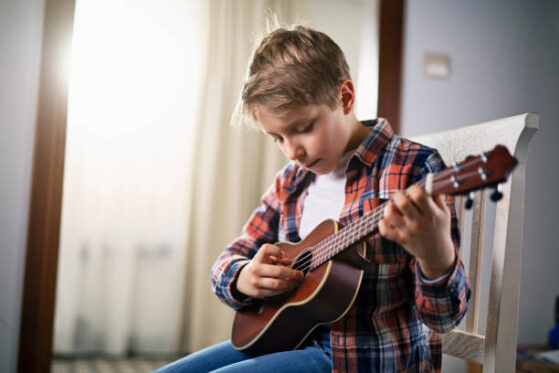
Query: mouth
pixel 309 165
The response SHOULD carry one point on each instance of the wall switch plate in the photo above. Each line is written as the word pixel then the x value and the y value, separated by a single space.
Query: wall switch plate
pixel 436 65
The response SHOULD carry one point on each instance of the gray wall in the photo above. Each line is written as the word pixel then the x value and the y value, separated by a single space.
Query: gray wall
pixel 504 61
pixel 21 24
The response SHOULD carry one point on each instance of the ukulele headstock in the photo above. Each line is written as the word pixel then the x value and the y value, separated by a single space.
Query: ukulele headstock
pixel 489 169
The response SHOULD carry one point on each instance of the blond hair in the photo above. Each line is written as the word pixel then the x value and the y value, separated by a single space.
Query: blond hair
pixel 291 68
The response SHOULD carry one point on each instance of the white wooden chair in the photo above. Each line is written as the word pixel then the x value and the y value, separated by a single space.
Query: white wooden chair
pixel 496 350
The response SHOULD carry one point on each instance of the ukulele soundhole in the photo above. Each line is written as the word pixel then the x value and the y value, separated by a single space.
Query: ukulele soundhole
pixel 303 262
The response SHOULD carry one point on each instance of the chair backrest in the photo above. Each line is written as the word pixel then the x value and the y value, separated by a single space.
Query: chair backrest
pixel 496 350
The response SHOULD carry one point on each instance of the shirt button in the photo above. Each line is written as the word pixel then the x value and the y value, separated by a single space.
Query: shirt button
pixel 453 287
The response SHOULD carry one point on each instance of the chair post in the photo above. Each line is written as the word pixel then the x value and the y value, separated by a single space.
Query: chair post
pixel 502 317
pixel 474 273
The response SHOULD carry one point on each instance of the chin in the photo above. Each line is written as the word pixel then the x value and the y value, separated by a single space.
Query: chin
pixel 323 171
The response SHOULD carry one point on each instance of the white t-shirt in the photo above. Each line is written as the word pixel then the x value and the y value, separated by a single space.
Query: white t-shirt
pixel 325 198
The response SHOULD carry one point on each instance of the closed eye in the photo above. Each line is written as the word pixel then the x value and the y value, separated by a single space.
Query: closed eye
pixel 277 139
pixel 305 129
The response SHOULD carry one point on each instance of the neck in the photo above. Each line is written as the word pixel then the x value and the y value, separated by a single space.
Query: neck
pixel 358 133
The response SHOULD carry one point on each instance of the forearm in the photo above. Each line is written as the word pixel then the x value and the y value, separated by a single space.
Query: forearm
pixel 261 228
pixel 224 275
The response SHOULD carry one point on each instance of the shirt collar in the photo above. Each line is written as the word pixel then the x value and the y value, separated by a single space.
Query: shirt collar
pixel 370 148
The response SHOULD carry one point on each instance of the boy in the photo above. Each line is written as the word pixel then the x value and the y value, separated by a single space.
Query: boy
pixel 299 91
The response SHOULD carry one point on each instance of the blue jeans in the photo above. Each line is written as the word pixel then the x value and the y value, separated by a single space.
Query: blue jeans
pixel 314 356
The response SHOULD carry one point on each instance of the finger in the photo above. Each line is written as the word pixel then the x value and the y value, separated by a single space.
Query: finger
pixel 278 272
pixel 266 251
pixel 387 232
pixel 393 216
pixel 276 285
pixel 405 205
pixel 440 202
pixel 280 261
pixel 420 199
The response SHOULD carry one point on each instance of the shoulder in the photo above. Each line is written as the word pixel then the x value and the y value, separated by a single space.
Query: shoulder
pixel 383 148
pixel 404 152
pixel 405 162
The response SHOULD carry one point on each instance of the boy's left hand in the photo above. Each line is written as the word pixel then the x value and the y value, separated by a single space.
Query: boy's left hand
pixel 421 224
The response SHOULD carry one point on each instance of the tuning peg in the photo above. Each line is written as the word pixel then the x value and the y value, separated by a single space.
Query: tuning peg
pixel 497 194
pixel 469 201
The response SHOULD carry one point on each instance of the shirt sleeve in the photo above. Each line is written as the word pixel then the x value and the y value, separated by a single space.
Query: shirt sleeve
pixel 261 228
pixel 443 303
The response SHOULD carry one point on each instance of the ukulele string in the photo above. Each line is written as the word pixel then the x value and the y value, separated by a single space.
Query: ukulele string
pixel 324 249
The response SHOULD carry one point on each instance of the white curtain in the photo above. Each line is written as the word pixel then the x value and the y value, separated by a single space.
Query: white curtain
pixel 134 85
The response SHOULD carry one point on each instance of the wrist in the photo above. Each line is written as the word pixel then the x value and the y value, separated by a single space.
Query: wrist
pixel 238 294
pixel 436 268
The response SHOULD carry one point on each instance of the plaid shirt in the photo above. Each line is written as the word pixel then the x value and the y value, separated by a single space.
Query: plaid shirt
pixel 394 323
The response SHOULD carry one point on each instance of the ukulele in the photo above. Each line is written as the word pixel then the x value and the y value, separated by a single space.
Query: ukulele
pixel 333 259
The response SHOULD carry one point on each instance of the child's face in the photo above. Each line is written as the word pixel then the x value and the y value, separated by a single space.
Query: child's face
pixel 314 136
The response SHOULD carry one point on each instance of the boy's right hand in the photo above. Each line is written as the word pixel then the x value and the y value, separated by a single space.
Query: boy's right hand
pixel 268 274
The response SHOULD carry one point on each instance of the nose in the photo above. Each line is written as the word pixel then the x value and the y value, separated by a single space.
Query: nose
pixel 294 151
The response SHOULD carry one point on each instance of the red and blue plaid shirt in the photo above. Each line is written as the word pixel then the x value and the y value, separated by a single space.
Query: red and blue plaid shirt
pixel 395 322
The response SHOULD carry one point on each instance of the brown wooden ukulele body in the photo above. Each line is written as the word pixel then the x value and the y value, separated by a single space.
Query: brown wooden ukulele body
pixel 283 322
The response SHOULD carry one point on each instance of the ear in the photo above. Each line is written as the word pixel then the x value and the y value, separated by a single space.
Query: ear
pixel 346 95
